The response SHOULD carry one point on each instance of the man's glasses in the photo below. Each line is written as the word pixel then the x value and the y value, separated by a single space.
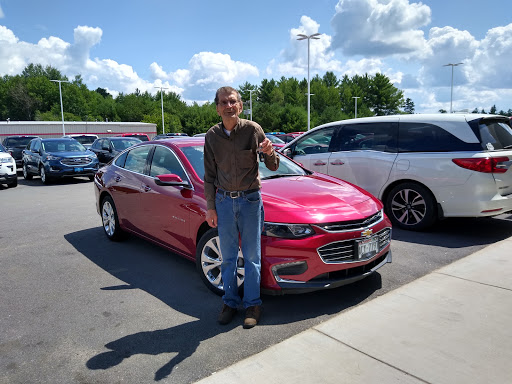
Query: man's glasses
pixel 228 103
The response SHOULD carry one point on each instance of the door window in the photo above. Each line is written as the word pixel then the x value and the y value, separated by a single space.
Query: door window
pixel 136 159
pixel 165 162
pixel 316 142
pixel 371 136
pixel 422 137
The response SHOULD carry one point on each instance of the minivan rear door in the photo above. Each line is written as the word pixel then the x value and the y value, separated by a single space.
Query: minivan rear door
pixel 496 137
pixel 364 154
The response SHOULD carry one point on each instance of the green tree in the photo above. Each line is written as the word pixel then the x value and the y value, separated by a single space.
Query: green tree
pixel 409 106
pixel 384 98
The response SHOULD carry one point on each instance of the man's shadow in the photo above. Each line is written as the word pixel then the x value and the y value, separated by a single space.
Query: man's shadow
pixel 175 281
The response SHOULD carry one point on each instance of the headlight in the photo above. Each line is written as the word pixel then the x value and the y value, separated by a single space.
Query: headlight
pixel 288 231
pixel 52 157
pixel 6 160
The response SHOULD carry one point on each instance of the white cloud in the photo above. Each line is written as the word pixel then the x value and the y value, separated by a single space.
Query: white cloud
pixel 379 27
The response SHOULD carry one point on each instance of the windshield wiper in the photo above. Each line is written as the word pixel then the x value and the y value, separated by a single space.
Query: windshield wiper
pixel 281 175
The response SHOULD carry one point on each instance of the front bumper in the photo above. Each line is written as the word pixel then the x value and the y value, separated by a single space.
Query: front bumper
pixel 58 170
pixel 333 280
pixel 8 177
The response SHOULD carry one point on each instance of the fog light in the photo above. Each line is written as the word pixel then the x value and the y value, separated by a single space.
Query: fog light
pixel 288 269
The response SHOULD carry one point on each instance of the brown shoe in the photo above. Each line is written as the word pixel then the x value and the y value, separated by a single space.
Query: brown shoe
pixel 252 316
pixel 226 314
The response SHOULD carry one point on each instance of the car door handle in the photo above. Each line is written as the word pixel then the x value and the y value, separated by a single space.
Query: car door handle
pixel 147 188
pixel 337 162
pixel 319 162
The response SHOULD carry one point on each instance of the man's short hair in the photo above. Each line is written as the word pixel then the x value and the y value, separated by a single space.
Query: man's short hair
pixel 226 90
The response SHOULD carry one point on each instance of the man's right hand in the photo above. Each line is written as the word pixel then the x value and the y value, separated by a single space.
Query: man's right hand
pixel 211 218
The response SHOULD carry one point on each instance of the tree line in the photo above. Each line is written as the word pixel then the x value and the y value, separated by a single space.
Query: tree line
pixel 278 105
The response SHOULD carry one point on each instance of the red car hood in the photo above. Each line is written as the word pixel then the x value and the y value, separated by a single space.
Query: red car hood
pixel 315 199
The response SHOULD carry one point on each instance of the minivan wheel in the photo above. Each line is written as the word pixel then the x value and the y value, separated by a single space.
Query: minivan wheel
pixel 110 220
pixel 26 175
pixel 209 259
pixel 411 206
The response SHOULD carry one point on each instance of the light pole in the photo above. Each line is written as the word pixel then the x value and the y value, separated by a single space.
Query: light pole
pixel 451 92
pixel 304 37
pixel 61 108
pixel 250 99
pixel 355 102
pixel 162 100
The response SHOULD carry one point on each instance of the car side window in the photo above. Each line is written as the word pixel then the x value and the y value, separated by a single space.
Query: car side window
pixel 369 136
pixel 35 146
pixel 316 142
pixel 165 162
pixel 422 137
pixel 136 159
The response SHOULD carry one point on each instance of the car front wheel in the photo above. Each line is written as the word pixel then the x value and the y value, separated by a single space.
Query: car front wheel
pixel 411 206
pixel 110 220
pixel 26 175
pixel 44 177
pixel 209 259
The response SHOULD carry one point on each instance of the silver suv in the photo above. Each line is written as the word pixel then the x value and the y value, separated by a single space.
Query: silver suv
pixel 423 167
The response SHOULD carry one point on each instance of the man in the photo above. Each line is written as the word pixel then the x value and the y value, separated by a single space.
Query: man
pixel 232 189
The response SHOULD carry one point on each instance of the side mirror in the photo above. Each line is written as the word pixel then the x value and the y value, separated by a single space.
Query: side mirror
pixel 288 152
pixel 170 179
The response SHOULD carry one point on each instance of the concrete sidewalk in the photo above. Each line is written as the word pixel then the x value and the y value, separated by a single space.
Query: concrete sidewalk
pixel 451 326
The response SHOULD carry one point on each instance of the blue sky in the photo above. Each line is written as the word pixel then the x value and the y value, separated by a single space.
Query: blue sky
pixel 193 47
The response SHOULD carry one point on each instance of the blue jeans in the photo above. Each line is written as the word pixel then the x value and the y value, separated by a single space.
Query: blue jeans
pixel 240 218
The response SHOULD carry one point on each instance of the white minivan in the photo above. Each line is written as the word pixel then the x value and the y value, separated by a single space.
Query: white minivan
pixel 422 166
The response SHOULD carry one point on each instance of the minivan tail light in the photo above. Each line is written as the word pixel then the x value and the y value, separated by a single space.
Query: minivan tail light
pixel 484 164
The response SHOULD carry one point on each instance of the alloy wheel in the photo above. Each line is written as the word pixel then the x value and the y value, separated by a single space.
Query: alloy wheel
pixel 108 218
pixel 211 259
pixel 408 207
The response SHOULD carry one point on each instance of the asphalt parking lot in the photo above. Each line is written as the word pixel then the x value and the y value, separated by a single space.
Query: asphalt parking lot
pixel 77 308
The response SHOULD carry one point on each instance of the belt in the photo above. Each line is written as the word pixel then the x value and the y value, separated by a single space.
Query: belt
pixel 236 194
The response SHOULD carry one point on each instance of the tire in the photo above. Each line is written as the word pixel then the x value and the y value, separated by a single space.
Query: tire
pixel 209 259
pixel 110 220
pixel 13 184
pixel 44 177
pixel 26 175
pixel 411 206
pixel 91 178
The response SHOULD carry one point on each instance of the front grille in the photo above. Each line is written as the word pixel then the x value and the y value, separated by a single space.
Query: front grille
pixel 346 251
pixel 76 161
pixel 352 225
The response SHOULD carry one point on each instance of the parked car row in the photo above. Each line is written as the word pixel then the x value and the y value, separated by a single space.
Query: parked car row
pixel 423 167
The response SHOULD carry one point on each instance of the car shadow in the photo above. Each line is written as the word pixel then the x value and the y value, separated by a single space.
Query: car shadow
pixel 174 281
pixel 36 181
pixel 460 232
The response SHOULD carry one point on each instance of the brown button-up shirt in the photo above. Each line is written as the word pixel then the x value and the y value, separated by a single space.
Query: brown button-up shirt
pixel 231 162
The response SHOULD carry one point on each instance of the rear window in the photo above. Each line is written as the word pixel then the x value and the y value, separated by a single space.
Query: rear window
pixel 495 135
pixel 18 141
pixel 85 139
pixel 140 137
pixel 423 137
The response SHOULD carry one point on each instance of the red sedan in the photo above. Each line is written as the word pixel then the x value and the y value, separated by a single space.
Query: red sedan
pixel 320 232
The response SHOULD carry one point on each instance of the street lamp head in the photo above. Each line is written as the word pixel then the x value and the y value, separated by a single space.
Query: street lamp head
pixel 304 37
pixel 452 65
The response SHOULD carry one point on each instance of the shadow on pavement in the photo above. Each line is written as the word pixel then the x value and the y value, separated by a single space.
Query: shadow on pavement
pixel 175 281
pixel 460 232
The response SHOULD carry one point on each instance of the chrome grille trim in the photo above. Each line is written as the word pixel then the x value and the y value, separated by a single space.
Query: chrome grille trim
pixel 76 161
pixel 354 225
pixel 345 251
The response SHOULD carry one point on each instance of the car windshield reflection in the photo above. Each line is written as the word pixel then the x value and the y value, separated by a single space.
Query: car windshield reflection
pixel 63 146
pixel 287 168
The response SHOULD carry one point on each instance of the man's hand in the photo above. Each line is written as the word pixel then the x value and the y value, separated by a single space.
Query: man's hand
pixel 266 146
pixel 211 218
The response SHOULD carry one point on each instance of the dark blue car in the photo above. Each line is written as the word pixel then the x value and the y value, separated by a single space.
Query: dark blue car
pixel 56 158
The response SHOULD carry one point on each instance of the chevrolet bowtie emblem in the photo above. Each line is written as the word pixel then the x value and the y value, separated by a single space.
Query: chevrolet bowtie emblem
pixel 367 232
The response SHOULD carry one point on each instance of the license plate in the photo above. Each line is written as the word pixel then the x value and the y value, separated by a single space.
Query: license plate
pixel 79 169
pixel 368 248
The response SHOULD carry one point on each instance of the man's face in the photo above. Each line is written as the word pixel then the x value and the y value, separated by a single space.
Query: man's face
pixel 228 106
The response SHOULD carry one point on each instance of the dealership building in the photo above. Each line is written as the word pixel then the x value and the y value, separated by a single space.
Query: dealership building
pixel 46 129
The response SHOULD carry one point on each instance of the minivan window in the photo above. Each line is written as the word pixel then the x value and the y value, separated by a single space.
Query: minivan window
pixel 368 136
pixel 495 135
pixel 423 137
pixel 316 142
